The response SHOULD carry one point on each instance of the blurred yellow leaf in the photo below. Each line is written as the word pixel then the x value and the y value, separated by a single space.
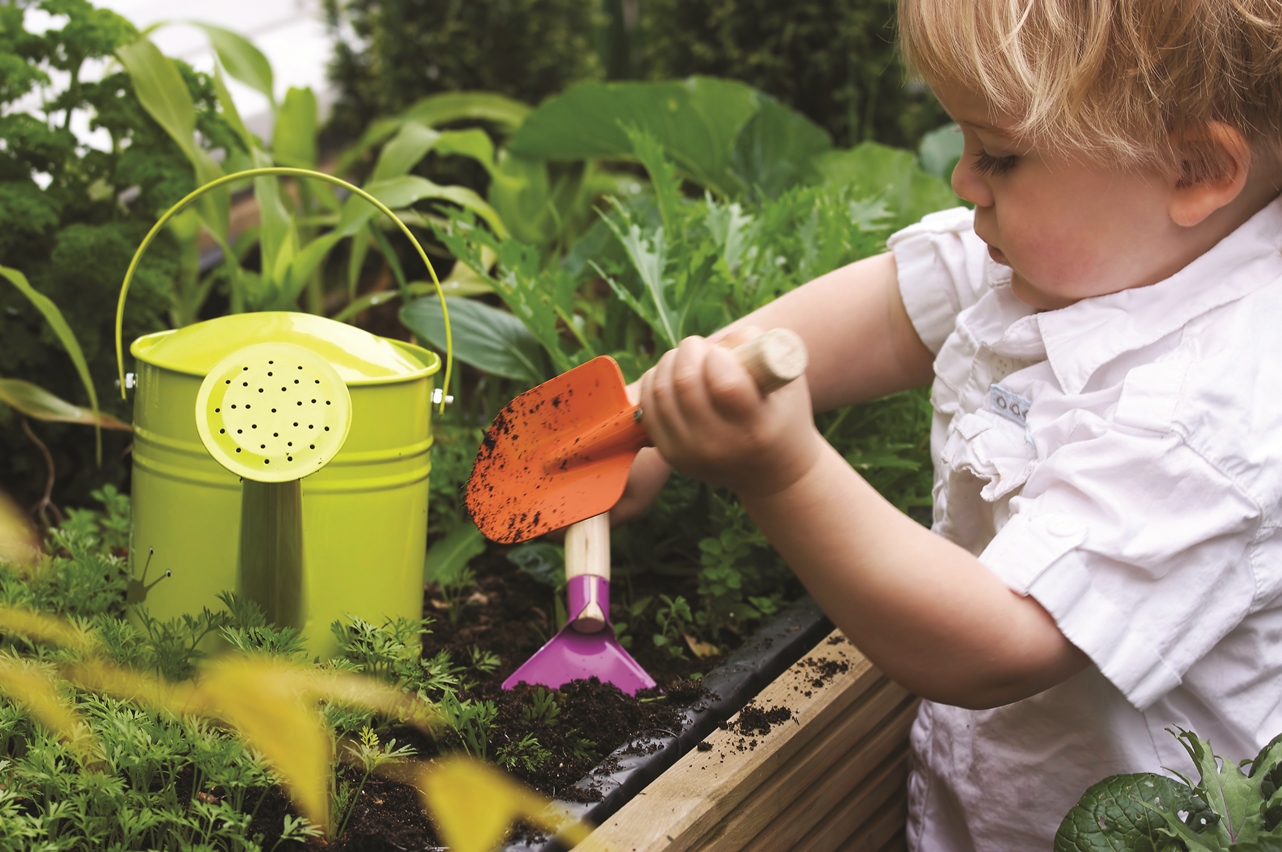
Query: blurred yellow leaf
pixel 473 804
pixel 34 625
pixel 19 544
pixel 36 688
pixel 272 705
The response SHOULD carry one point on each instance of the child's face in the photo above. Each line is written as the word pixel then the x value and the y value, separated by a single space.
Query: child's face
pixel 1069 228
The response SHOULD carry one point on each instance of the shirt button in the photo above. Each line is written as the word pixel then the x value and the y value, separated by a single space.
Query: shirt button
pixel 1063 527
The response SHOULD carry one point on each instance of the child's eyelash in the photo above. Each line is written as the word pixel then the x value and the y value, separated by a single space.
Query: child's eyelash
pixel 987 164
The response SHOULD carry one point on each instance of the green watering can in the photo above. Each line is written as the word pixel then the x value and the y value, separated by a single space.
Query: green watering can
pixel 283 456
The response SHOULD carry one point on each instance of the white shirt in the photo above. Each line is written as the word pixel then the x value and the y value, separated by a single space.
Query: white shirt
pixel 1119 460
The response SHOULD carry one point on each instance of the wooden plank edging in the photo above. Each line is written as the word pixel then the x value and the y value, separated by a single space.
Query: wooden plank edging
pixel 854 724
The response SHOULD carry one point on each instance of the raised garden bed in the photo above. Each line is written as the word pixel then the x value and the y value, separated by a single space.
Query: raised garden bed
pixel 817 761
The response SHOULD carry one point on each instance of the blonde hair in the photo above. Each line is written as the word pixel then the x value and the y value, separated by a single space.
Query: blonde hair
pixel 1129 80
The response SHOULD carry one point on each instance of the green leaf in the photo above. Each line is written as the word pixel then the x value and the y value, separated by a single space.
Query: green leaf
pixel 435 110
pixel 542 560
pixel 648 251
pixel 164 95
pixel 1235 797
pixel 408 146
pixel 696 121
pixel 242 60
pixel 940 150
pixel 521 194
pixel 65 336
pixel 407 190
pixel 297 126
pixel 1120 813
pixel 870 170
pixel 447 557
pixel 485 337
pixel 35 401
pixel 774 151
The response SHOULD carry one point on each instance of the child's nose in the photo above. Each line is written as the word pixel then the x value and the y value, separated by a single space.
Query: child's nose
pixel 970 186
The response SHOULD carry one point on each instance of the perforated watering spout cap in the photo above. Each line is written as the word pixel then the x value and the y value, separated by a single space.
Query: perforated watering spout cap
pixel 273 412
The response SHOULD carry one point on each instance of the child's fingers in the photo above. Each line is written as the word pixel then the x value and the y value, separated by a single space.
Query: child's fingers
pixel 689 379
pixel 730 390
pixel 660 412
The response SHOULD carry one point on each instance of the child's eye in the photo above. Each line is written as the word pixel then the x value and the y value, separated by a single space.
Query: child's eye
pixel 987 164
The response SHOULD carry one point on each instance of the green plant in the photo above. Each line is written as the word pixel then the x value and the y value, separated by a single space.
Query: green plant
pixel 453 577
pixel 390 53
pixel 72 211
pixel 369 755
pixel 526 753
pixel 542 709
pixel 97 752
pixel 1231 806
pixel 662 265
pixel 471 722
pixel 836 62
pixel 674 621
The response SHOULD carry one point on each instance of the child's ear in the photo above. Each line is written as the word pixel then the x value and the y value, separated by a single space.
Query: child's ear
pixel 1213 174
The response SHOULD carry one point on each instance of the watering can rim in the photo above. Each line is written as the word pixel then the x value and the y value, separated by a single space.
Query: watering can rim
pixel 429 361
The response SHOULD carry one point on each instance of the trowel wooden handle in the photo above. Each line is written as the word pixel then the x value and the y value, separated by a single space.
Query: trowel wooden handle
pixel 587 552
pixel 773 358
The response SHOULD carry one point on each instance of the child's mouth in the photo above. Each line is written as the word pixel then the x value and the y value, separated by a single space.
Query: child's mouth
pixel 996 255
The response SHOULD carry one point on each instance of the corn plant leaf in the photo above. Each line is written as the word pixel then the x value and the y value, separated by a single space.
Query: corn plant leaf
pixel 484 337
pixel 35 401
pixel 434 110
pixel 295 131
pixel 410 145
pixel 163 94
pixel 407 190
pixel 241 58
pixel 67 338
pixel 447 557
pixel 473 805
pixel 473 143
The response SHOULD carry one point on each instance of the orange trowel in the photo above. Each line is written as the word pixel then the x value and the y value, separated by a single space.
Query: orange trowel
pixel 561 452
pixel 558 456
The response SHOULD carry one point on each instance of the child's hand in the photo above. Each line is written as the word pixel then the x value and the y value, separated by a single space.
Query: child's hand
pixel 706 416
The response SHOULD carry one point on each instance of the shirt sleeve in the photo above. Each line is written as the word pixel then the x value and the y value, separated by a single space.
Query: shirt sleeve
pixel 941 266
pixel 1141 550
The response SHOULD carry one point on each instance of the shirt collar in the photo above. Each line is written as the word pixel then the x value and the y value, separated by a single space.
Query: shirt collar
pixel 1086 335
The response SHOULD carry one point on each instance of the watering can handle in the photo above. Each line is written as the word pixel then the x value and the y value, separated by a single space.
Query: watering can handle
pixel 268 172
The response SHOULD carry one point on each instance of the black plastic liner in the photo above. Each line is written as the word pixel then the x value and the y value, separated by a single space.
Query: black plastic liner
pixel 765 656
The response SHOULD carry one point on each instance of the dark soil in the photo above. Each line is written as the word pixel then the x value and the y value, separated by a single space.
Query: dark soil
pixel 511 615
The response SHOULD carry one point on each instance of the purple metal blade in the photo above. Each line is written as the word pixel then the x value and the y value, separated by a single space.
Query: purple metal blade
pixel 571 655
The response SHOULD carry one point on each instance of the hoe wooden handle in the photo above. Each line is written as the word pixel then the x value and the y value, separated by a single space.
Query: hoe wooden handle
pixel 773 358
pixel 587 551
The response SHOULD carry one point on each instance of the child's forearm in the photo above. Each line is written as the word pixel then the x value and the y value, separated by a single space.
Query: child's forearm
pixel 861 342
pixel 925 611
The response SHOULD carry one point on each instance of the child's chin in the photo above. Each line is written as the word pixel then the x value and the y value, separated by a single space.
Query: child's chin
pixel 1035 298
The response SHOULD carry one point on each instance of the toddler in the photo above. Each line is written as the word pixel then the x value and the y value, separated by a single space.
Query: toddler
pixel 1102 334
